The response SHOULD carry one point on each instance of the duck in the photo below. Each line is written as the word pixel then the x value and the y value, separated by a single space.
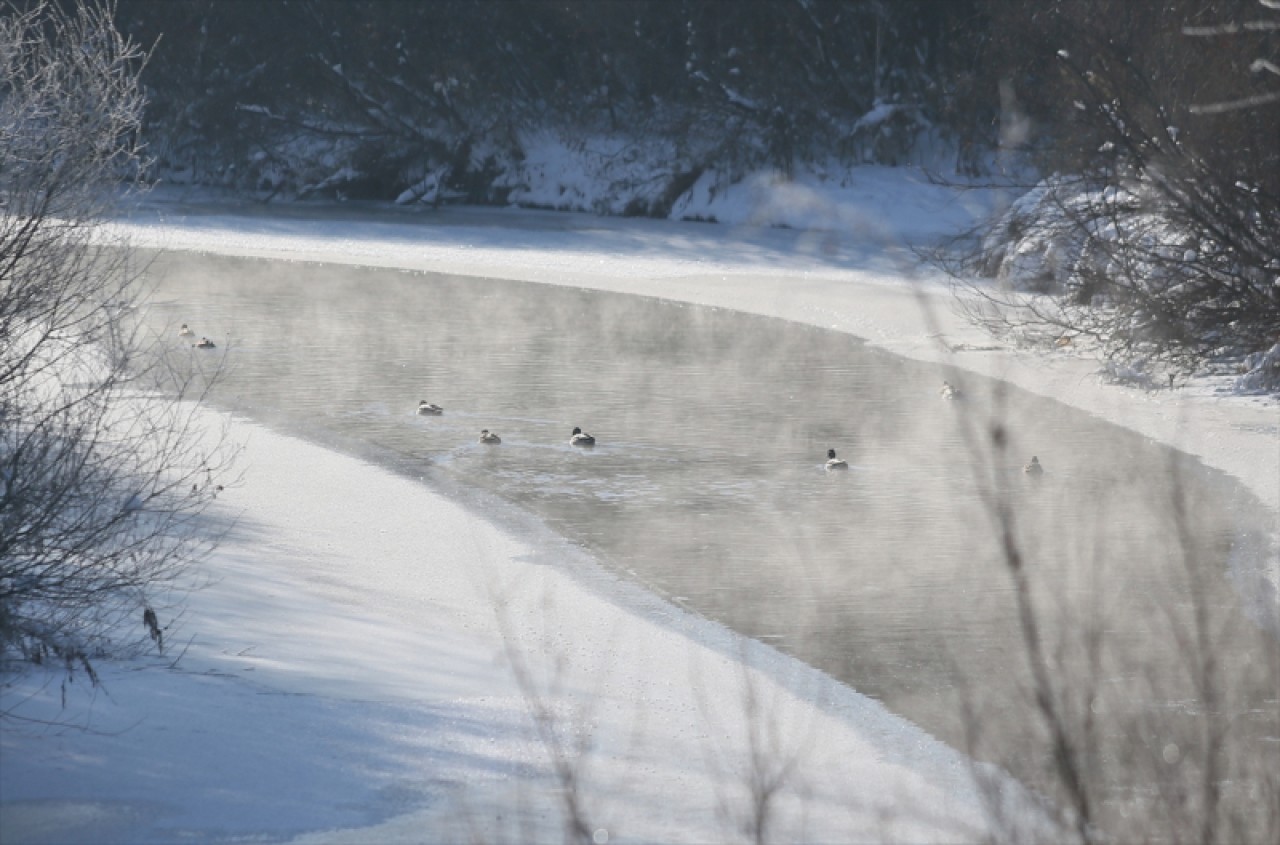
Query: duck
pixel 489 438
pixel 949 391
pixel 185 331
pixel 581 438
pixel 205 343
pixel 835 463
pixel 427 409
pixel 1034 468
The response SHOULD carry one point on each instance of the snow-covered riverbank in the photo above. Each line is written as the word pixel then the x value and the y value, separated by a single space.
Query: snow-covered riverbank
pixel 348 669
pixel 346 677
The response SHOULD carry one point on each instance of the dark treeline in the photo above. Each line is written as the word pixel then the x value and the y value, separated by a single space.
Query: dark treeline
pixel 372 98
pixel 1156 129
pixel 268 96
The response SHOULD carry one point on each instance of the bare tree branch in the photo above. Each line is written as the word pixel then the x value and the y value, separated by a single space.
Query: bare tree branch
pixel 1235 105
pixel 102 476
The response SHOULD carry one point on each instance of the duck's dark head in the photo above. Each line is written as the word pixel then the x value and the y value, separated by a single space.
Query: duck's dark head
pixel 577 430
pixel 831 453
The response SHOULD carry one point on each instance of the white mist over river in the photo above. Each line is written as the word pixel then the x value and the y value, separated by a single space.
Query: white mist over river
pixel 707 484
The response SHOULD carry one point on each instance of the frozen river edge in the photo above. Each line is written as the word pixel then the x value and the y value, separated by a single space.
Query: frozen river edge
pixel 280 647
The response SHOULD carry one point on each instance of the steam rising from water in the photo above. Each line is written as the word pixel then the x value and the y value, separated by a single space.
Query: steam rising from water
pixel 707 481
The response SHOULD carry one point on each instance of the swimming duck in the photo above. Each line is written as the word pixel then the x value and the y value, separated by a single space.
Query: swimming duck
pixel 949 391
pixel 1034 467
pixel 185 331
pixel 427 409
pixel 833 462
pixel 581 438
pixel 204 343
pixel 489 438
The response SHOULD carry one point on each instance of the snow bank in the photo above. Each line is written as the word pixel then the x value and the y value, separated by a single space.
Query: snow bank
pixel 349 669
pixel 353 644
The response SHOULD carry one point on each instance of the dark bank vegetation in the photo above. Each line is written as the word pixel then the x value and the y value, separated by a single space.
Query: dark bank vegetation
pixel 442 100
pixel 1148 130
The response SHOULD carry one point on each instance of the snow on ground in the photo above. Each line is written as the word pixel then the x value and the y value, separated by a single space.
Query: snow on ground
pixel 348 676
pixel 348 670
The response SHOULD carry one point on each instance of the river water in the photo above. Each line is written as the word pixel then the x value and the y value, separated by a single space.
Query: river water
pixel 707 485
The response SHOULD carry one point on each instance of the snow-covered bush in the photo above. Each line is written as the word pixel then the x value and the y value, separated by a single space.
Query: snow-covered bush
pixel 1126 262
pixel 1261 372
pixel 890 133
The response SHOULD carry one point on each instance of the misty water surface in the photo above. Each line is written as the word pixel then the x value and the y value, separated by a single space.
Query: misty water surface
pixel 707 484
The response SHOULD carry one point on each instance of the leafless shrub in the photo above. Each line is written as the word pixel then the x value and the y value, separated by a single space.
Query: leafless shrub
pixel 756 768
pixel 1114 264
pixel 1126 743
pixel 566 738
pixel 103 475
pixel 1149 235
pixel 1152 707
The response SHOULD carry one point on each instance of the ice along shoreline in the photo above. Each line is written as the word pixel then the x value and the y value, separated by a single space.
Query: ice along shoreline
pixel 863 283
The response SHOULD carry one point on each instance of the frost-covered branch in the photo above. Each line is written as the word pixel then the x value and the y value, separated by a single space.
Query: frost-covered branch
pixel 102 476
